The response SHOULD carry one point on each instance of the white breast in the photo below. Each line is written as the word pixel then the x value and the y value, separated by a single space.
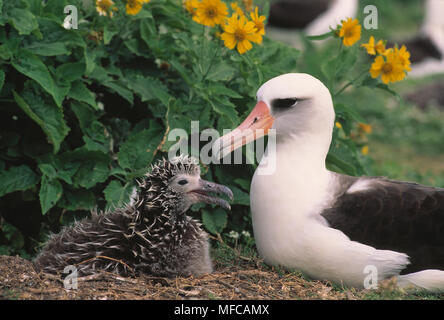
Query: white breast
pixel 284 206
pixel 289 230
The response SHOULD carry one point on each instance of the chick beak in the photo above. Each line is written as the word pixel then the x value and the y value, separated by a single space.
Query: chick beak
pixel 206 188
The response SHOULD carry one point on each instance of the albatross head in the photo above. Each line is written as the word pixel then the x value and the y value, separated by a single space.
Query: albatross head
pixel 296 105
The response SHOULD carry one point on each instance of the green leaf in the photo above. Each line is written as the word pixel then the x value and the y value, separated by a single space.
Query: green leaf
pixel 31 66
pixel 23 20
pixel 149 88
pixel 214 221
pixel 84 113
pixel 139 149
pixel 50 192
pixel 177 117
pixel 321 36
pixel 54 40
pixel 13 235
pixel 243 183
pixel 48 170
pixel 97 138
pixel 108 33
pixel 5 52
pixel 340 164
pixel 386 88
pixel 94 169
pixel 220 89
pixel 137 47
pixel 48 49
pixel 2 79
pixel 223 106
pixel 221 72
pixel 80 92
pixel 44 112
pixel 71 71
pixel 240 197
pixel 337 67
pixel 342 108
pixel 58 167
pixel 89 60
pixel 96 135
pixel 117 87
pixel 117 195
pixel 17 179
pixel 370 82
pixel 61 89
pixel 344 155
pixel 78 199
pixel 182 71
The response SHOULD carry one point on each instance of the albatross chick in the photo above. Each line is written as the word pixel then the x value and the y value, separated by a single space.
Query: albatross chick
pixel 151 235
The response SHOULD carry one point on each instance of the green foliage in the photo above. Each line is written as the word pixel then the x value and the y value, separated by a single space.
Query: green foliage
pixel 85 111
pixel 17 178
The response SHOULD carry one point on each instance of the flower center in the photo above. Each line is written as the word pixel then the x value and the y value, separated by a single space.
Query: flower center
pixel 132 3
pixel 104 4
pixel 348 32
pixel 211 12
pixel 387 68
pixel 240 35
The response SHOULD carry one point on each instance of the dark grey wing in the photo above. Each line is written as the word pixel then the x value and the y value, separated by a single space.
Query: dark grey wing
pixel 296 13
pixel 394 215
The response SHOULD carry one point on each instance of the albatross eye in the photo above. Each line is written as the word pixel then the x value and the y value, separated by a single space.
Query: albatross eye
pixel 183 182
pixel 283 104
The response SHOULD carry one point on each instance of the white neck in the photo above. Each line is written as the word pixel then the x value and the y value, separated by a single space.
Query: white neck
pixel 285 201
pixel 307 150
pixel 300 176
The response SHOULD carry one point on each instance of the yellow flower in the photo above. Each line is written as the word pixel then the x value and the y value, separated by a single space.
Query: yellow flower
pixel 191 6
pixel 338 125
pixel 133 7
pixel 238 32
pixel 404 57
pixel 364 150
pixel 390 69
pixel 248 4
pixel 211 12
pixel 367 128
pixel 236 9
pixel 372 48
pixel 258 21
pixel 104 7
pixel 350 31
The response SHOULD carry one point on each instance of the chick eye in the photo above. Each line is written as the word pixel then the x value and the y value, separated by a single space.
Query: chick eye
pixel 282 104
pixel 183 182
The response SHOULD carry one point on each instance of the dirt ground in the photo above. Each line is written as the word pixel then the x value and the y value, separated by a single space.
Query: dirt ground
pixel 235 277
pixel 18 280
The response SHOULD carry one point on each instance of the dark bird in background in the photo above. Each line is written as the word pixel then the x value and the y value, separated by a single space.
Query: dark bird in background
pixel 151 235
pixel 315 17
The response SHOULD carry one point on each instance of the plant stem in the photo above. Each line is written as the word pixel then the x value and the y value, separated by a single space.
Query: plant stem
pixel 202 49
pixel 335 70
pixel 349 83
pixel 216 54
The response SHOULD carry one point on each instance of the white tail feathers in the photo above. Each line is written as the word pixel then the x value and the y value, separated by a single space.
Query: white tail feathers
pixel 430 280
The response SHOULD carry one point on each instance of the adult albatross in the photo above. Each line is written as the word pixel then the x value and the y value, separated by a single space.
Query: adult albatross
pixel 332 226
